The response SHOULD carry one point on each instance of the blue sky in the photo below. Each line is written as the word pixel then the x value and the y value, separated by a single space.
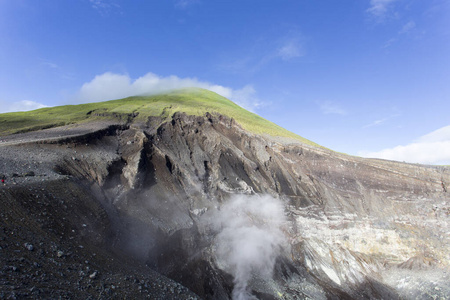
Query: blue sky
pixel 364 77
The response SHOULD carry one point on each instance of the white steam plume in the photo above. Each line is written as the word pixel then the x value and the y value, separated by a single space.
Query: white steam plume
pixel 250 239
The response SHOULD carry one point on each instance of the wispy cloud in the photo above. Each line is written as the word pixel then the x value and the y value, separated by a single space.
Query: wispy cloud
pixel 108 86
pixel 407 27
pixel 329 107
pixel 104 7
pixel 380 8
pixel 263 52
pixel 375 123
pixel 182 4
pixel 23 105
pixel 378 122
pixel 432 148
pixel 247 98
pixel 405 30
pixel 50 65
pixel 389 43
pixel 290 49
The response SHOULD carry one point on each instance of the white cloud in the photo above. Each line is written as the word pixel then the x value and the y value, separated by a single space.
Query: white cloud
pixel 290 49
pixel 268 50
pixel 407 27
pixel 246 97
pixel 432 148
pixel 375 123
pixel 379 8
pixel 50 65
pixel 329 107
pixel 104 6
pixel 23 105
pixel 440 135
pixel 389 43
pixel 185 3
pixel 99 4
pixel 109 86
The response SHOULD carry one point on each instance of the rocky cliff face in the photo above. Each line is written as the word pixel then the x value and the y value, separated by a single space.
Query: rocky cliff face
pixel 194 203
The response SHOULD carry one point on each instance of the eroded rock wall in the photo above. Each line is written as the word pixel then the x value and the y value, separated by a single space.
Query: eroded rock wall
pixel 352 224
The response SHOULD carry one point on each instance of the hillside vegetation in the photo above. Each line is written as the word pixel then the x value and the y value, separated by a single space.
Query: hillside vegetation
pixel 192 101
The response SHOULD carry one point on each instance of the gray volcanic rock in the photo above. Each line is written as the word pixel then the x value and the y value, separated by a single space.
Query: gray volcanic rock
pixel 137 205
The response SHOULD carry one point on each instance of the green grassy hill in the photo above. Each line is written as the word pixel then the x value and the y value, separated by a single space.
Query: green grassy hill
pixel 192 101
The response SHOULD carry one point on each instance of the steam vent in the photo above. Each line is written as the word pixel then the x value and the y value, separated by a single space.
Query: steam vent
pixel 186 195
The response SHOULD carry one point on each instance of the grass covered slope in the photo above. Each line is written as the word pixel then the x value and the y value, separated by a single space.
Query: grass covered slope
pixel 192 101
